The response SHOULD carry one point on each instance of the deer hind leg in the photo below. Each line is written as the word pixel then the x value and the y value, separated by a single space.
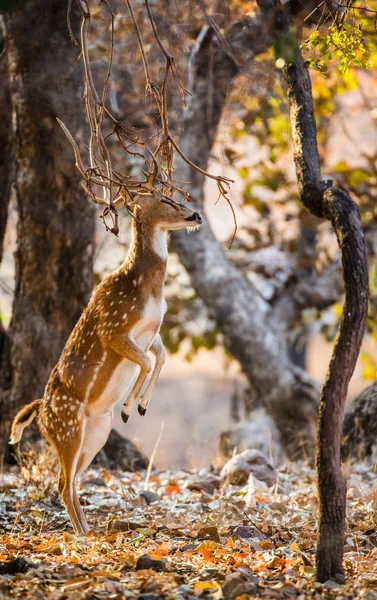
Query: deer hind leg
pixel 69 453
pixel 76 449
pixel 62 424
pixel 97 430
pixel 79 512
pixel 159 352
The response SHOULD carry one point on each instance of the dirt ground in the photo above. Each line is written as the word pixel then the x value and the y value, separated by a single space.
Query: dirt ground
pixel 179 535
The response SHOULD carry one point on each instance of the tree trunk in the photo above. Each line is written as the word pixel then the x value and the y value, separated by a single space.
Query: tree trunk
pixel 345 218
pixel 336 206
pixel 6 158
pixel 289 395
pixel 56 222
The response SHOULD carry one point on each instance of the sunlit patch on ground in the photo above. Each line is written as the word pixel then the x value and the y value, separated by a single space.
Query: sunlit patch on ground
pixel 203 540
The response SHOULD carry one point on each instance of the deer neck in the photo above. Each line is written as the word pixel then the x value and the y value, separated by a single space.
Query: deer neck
pixel 148 252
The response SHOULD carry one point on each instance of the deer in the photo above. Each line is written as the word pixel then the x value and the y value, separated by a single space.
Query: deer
pixel 107 357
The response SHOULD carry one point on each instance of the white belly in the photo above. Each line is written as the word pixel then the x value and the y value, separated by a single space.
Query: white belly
pixel 124 375
pixel 122 379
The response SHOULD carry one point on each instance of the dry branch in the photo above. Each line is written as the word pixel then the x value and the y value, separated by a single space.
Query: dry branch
pixel 117 187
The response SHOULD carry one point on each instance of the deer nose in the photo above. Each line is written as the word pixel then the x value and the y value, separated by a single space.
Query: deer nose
pixel 198 218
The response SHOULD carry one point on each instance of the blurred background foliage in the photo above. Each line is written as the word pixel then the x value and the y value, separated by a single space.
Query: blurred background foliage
pixel 253 147
pixel 343 61
pixel 290 258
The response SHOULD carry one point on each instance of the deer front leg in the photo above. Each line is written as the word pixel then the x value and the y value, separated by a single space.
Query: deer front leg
pixel 130 350
pixel 159 352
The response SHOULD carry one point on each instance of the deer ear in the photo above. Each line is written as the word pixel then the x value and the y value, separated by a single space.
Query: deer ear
pixel 131 203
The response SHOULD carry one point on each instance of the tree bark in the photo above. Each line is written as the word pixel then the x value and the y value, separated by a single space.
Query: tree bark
pixel 344 215
pixel 6 158
pixel 289 395
pixel 336 206
pixel 56 222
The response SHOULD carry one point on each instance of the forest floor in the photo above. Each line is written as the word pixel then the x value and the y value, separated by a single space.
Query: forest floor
pixel 179 535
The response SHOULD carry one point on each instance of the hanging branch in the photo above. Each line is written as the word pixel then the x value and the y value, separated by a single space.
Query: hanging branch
pixel 223 183
pixel 116 187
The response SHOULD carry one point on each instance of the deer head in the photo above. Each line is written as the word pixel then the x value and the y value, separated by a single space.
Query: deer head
pixel 160 212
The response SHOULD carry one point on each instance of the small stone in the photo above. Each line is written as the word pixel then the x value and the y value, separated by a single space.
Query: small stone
pixel 209 485
pixel 118 525
pixel 244 532
pixel 209 533
pixel 95 481
pixel 186 547
pixel 17 565
pixel 331 585
pixel 149 497
pixel 145 562
pixel 238 584
pixel 237 470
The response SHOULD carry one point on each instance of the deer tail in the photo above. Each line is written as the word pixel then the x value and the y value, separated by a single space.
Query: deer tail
pixel 23 419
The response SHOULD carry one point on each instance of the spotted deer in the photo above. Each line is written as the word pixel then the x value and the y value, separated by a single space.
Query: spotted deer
pixel 106 358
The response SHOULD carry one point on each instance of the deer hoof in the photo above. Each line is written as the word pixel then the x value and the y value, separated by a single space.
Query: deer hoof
pixel 124 417
pixel 141 410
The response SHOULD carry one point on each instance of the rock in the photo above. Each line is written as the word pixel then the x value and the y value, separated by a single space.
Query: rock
pixel 210 532
pixel 120 453
pixel 149 496
pixel 254 486
pixel 119 525
pixel 239 584
pixel 145 562
pixel 17 565
pixel 186 547
pixel 246 532
pixel 258 432
pixel 238 469
pixel 208 485
pixel 95 481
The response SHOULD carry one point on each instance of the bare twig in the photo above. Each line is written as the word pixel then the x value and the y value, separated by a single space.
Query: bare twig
pixel 141 44
pixel 221 39
pixel 100 174
pixel 167 54
pixel 73 39
pixel 153 455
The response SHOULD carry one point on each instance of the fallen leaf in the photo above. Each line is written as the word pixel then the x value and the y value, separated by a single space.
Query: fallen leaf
pixel 172 489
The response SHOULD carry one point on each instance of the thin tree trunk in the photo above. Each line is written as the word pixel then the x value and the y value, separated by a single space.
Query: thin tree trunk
pixel 336 206
pixel 343 213
pixel 56 222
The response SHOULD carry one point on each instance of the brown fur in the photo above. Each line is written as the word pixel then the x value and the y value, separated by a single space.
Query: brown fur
pixel 25 414
pixel 75 413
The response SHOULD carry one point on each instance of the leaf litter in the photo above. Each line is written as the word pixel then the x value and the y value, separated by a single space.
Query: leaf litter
pixel 181 535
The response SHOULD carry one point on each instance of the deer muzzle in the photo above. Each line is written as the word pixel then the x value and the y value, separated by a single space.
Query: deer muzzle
pixel 195 217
